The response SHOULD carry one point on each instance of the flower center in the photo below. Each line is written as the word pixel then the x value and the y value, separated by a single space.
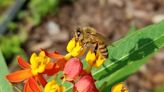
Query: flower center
pixel 52 86
pixel 38 63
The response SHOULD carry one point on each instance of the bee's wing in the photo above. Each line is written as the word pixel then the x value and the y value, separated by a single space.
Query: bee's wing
pixel 104 39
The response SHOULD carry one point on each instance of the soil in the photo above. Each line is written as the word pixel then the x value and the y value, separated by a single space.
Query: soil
pixel 111 18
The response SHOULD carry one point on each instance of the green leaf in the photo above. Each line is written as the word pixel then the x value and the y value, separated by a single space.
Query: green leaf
pixel 120 75
pixel 129 54
pixel 5 86
pixel 132 48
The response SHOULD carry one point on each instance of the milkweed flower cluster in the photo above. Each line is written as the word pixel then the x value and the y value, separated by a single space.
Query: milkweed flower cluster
pixel 46 64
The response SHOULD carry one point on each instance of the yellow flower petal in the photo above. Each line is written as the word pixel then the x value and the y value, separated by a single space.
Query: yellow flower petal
pixel 100 61
pixel 119 88
pixel 38 63
pixel 90 57
pixel 52 86
pixel 71 45
pixel 68 56
pixel 34 72
pixel 75 48
pixel 41 68
pixel 33 57
pixel 42 54
pixel 76 51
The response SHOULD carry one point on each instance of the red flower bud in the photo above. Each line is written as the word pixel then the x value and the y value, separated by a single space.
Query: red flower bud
pixel 72 69
pixel 85 84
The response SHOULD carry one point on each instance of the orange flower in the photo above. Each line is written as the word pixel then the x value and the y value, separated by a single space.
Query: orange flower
pixel 31 73
pixel 85 84
pixel 31 86
pixel 55 54
pixel 57 65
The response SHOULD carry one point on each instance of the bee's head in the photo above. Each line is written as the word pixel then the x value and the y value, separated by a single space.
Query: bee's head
pixel 78 34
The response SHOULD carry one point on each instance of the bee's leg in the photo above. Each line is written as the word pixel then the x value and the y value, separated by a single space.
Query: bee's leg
pixel 85 45
pixel 95 47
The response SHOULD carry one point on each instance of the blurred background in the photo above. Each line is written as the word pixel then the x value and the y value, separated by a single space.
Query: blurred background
pixel 28 25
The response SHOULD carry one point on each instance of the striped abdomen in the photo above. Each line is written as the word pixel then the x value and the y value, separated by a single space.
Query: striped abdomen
pixel 103 49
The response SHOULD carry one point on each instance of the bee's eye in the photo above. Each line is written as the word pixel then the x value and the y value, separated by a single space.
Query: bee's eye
pixel 78 33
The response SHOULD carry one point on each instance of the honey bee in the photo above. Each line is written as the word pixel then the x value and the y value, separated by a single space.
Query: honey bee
pixel 89 37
